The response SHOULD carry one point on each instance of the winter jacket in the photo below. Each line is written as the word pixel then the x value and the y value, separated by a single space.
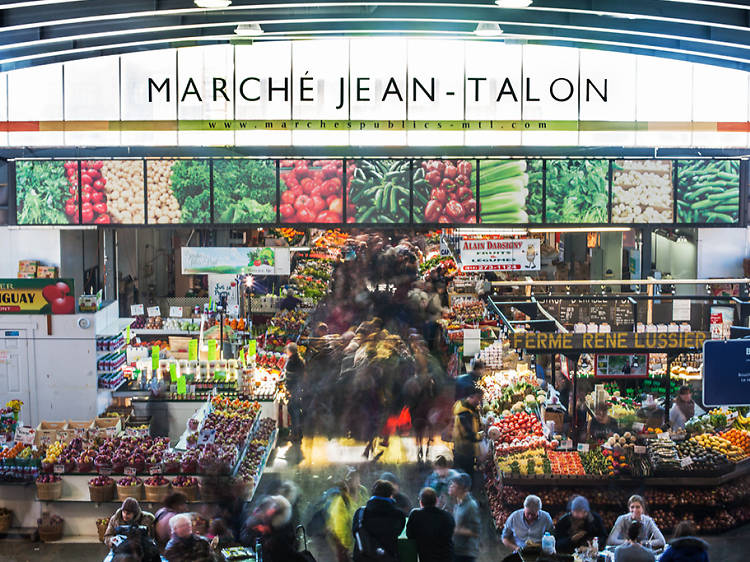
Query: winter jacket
pixel 650 535
pixel 686 549
pixel 466 426
pixel 161 525
pixel 295 374
pixel 144 518
pixel 593 526
pixel 191 549
pixel 383 521
pixel 340 515
pixel 432 529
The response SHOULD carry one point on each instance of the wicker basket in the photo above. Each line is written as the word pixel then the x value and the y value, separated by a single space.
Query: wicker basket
pixel 191 492
pixel 51 533
pixel 125 492
pixel 102 493
pixel 101 529
pixel 6 517
pixel 156 493
pixel 49 490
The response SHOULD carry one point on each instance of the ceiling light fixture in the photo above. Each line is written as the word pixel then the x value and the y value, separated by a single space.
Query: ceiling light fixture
pixel 212 3
pixel 513 3
pixel 249 30
pixel 485 29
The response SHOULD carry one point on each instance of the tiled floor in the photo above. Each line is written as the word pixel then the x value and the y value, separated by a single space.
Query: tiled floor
pixel 314 467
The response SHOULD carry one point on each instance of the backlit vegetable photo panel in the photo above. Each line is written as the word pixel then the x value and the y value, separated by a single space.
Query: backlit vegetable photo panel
pixel 577 191
pixel 445 191
pixel 112 192
pixel 47 192
pixel 708 191
pixel 379 191
pixel 511 191
pixel 311 191
pixel 244 191
pixel 179 191
pixel 642 191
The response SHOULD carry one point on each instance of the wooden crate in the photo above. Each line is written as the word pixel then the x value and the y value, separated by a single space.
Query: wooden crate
pixel 48 432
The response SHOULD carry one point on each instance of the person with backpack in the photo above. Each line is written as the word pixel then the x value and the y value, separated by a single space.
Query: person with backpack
pixel 685 546
pixel 130 513
pixel 342 502
pixel 377 526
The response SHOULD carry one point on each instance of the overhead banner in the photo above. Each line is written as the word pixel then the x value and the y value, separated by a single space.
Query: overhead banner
pixel 238 261
pixel 499 254
pixel 726 373
pixel 607 341
pixel 37 296
pixel 385 91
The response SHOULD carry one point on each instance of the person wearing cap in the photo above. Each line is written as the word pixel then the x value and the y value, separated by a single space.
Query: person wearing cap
pixel 402 502
pixel 130 513
pixel 683 408
pixel 467 432
pixel 467 519
pixel 578 527
pixel 527 525
pixel 439 479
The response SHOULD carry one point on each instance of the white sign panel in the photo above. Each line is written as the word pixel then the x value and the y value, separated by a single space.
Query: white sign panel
pixel 238 261
pixel 499 254
pixel 222 284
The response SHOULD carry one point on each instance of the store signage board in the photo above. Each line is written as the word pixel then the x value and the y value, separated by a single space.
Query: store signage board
pixel 153 311
pixel 499 254
pixel 37 296
pixel 340 87
pixel 726 372
pixel 236 261
pixel 608 341
pixel 25 435
pixel 621 365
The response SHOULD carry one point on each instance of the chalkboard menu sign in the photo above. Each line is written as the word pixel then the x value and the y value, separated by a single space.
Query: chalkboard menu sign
pixel 623 314
pixel 599 311
pixel 616 313
pixel 571 311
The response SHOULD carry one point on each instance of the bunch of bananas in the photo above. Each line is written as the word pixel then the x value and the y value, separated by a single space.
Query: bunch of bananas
pixel 742 422
pixel 53 452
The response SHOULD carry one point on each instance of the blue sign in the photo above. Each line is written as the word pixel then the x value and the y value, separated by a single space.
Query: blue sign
pixel 726 372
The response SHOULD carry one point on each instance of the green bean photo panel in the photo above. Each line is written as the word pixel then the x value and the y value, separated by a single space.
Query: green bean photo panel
pixel 379 191
pixel 577 191
pixel 511 191
pixel 708 191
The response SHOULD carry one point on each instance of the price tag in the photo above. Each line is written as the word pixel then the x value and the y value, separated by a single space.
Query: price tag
pixel 127 335
pixel 193 350
pixel 252 347
pixel 567 444
pixel 206 437
pixel 583 447
pixel 637 426
pixel 639 450
pixel 212 350
pixel 685 461
pixel 130 471
pixel 182 385
pixel 242 357
pixel 173 372
pixel 59 469
pixel 136 310
pixel 25 435
pixel 663 436
pixel 175 311
pixel 105 470
pixel 155 357
pixel 156 469
pixel 153 311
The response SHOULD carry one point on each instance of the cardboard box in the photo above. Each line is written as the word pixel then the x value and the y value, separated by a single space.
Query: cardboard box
pixel 22 275
pixel 75 429
pixel 47 272
pixel 27 264
pixel 47 432
pixel 106 427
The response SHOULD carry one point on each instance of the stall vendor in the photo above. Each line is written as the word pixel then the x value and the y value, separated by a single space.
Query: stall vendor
pixel 683 408
pixel 601 426
pixel 651 413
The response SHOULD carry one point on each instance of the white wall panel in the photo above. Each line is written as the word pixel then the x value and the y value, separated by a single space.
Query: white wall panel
pixel 92 93
pixel 36 94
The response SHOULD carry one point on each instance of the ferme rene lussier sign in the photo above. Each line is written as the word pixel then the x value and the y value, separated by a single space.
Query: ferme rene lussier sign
pixel 207 94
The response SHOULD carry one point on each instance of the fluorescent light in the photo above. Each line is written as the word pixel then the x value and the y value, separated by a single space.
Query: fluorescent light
pixel 513 3
pixel 485 29
pixel 212 3
pixel 249 30
pixel 582 229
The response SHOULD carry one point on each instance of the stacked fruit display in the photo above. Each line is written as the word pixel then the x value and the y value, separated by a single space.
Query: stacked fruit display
pixel 312 191
pixel 527 463
pixel 594 462
pixel 513 429
pixel 721 445
pixel 156 480
pixel 739 438
pixel 701 458
pixel 257 451
pixel 566 463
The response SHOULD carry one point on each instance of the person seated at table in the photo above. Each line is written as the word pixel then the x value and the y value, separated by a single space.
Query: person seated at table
pixel 578 527
pixel 649 536
pixel 601 426
pixel 185 545
pixel 632 550
pixel 527 525
pixel 130 513
pixel 684 546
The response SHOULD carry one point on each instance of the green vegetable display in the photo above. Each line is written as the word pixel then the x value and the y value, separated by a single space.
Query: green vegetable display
pixel 577 191
pixel 244 191
pixel 41 193
pixel 379 191
pixel 510 191
pixel 708 191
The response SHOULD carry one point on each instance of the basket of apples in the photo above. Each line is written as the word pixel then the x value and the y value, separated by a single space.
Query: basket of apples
pixel 157 488
pixel 129 487
pixel 49 487
pixel 188 485
pixel 101 489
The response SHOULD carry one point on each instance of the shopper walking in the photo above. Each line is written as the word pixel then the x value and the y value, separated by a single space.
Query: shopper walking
pixel 683 408
pixel 466 432
pixel 466 517
pixel 295 384
pixel 439 479
pixel 340 514
pixel 431 528
pixel 579 527
pixel 468 381
pixel 376 526
pixel 173 504
pixel 527 525
pixel 650 536
pixel 684 546
pixel 632 550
